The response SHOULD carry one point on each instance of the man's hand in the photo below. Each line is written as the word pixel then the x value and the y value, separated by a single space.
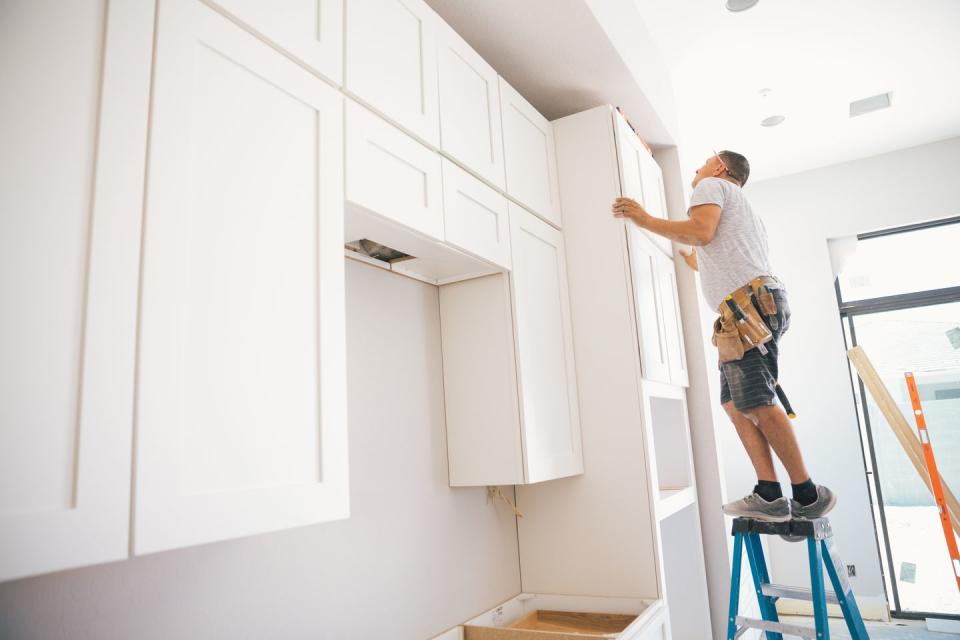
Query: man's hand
pixel 631 209
pixel 690 259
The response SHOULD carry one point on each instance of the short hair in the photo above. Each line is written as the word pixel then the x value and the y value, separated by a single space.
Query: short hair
pixel 738 167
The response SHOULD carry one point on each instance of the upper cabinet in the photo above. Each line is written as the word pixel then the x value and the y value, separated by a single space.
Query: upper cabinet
pixel 310 31
pixel 470 127
pixel 475 216
pixel 509 374
pixel 640 176
pixel 391 174
pixel 530 156
pixel 391 62
pixel 240 398
pixel 69 263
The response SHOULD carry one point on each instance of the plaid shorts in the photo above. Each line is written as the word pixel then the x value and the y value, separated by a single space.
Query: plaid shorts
pixel 750 381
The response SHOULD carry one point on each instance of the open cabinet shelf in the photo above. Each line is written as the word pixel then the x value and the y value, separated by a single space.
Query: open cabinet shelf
pixel 673 500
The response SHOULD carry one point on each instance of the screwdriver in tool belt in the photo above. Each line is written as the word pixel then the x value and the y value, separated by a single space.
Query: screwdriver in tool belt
pixel 742 319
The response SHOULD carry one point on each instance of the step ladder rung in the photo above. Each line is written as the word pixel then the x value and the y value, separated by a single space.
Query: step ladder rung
pixel 795 593
pixel 809 633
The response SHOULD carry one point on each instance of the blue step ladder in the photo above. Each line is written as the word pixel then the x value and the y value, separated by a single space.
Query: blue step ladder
pixel 822 554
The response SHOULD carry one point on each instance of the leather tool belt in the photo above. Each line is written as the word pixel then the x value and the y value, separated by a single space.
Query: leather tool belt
pixel 740 326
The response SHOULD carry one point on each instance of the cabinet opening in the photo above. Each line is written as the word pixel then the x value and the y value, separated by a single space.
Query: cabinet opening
pixel 377 251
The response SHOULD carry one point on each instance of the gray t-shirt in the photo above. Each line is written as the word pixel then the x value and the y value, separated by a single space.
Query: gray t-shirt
pixel 738 252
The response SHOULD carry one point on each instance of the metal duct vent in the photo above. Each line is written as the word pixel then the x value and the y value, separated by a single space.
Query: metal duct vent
pixel 377 251
pixel 873 103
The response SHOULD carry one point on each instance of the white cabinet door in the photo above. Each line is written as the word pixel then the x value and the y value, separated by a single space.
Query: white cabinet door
pixel 672 324
pixel 475 216
pixel 241 403
pixel 648 299
pixel 311 31
pixel 550 410
pixel 639 175
pixel 470 128
pixel 391 174
pixel 69 251
pixel 529 155
pixel 392 62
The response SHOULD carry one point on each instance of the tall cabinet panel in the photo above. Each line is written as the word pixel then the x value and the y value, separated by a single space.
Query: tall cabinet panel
pixel 69 247
pixel 241 424
pixel 470 127
pixel 392 62
pixel 309 30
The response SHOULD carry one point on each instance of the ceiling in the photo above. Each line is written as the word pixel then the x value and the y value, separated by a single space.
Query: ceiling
pixel 816 56
pixel 565 56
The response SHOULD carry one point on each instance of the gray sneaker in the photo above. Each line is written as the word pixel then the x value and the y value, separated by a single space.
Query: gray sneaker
pixel 753 506
pixel 826 500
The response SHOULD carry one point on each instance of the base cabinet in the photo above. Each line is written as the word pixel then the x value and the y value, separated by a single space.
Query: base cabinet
pixel 566 617
pixel 509 373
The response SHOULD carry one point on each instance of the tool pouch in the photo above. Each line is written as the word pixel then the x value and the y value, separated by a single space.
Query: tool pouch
pixel 727 339
pixel 750 333
pixel 768 305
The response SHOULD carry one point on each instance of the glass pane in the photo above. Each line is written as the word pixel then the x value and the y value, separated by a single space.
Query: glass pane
pixel 902 263
pixel 917 340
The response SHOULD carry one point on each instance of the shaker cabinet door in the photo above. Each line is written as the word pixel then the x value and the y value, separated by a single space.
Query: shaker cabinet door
pixel 648 298
pixel 391 62
pixel 544 342
pixel 71 196
pixel 530 156
pixel 470 127
pixel 241 401
pixel 309 30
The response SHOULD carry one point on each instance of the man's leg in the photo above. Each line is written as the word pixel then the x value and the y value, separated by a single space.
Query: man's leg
pixel 778 432
pixel 755 442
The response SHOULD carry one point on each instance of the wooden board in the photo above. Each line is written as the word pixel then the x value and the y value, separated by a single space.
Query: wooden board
pixel 568 621
pixel 901 428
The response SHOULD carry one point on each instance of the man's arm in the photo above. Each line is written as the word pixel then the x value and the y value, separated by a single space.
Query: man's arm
pixel 697 231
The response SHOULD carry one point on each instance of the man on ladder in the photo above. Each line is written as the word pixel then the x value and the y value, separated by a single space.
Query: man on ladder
pixel 732 257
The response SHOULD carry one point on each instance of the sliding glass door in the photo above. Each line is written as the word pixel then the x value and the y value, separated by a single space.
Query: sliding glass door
pixel 907 325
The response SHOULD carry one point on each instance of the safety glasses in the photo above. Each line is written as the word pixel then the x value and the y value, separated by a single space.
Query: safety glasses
pixel 722 163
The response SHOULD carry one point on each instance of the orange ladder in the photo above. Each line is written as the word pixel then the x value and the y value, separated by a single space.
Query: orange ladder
pixel 935 483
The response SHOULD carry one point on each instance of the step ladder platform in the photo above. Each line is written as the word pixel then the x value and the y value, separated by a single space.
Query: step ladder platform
pixel 778 591
pixel 818 529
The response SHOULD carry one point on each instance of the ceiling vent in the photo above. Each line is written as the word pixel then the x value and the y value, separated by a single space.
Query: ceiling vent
pixel 873 103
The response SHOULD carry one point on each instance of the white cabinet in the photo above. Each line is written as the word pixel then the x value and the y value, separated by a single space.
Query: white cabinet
pixel 69 251
pixel 470 128
pixel 311 31
pixel 391 62
pixel 240 400
pixel 391 174
pixel 530 156
pixel 475 216
pixel 672 322
pixel 640 176
pixel 648 300
pixel 509 372
pixel 655 296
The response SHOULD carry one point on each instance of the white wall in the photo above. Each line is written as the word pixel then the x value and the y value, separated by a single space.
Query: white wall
pixel 801 212
pixel 415 557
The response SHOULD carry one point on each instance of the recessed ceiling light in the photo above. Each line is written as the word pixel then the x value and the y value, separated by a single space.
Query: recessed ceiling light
pixel 740 5
pixel 772 121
